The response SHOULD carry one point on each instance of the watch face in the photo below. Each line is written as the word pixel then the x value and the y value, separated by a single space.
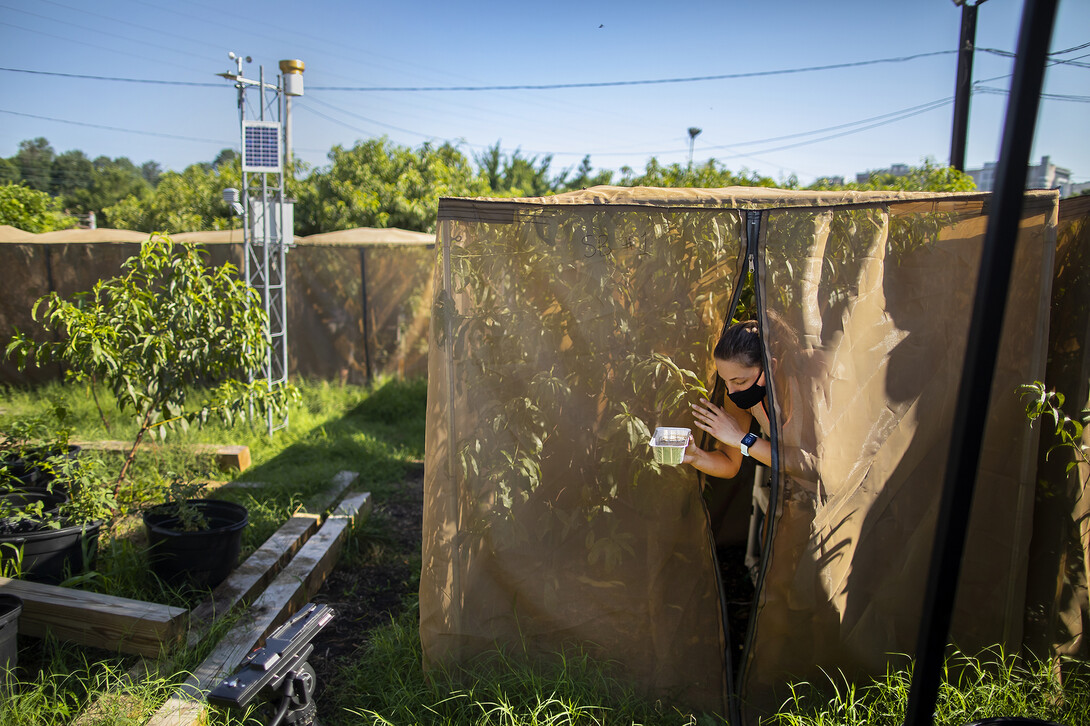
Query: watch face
pixel 749 439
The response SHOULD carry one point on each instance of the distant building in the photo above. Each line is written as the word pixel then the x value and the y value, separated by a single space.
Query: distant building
pixel 893 170
pixel 829 181
pixel 1045 175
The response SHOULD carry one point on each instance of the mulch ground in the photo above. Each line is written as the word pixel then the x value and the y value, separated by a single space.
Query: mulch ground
pixel 367 596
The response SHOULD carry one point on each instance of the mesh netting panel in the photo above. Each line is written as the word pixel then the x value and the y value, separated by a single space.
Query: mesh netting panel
pixel 561 338
pixel 565 329
pixel 1057 613
pixel 868 311
pixel 328 288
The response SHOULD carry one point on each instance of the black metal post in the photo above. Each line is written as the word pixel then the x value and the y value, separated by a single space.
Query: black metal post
pixel 368 372
pixel 979 366
pixel 963 86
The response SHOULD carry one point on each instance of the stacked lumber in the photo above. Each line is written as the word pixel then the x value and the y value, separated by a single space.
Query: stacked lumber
pixel 100 621
pixel 272 584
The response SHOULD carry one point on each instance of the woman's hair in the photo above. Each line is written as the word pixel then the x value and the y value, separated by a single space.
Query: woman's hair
pixel 740 342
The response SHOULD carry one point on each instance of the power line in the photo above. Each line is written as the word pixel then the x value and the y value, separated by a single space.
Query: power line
pixel 116 128
pixel 310 99
pixel 644 82
pixel 1071 49
pixel 526 87
pixel 1049 96
pixel 919 110
pixel 112 78
pixel 1051 61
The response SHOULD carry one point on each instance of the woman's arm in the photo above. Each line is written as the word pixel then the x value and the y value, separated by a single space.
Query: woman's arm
pixel 718 463
pixel 728 429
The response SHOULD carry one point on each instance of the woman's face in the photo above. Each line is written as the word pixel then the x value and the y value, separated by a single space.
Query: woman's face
pixel 738 376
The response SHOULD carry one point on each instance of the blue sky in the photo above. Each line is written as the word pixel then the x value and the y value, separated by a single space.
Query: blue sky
pixel 432 44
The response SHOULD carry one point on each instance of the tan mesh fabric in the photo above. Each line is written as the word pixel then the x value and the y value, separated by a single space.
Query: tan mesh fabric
pixel 1057 614
pixel 329 336
pixel 560 338
pixel 881 299
pixel 546 524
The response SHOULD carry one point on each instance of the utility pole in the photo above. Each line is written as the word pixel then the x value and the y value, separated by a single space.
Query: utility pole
pixel 963 86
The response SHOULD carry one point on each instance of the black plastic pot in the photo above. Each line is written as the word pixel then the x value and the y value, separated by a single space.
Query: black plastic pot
pixel 26 471
pixel 51 555
pixel 19 500
pixel 10 609
pixel 203 558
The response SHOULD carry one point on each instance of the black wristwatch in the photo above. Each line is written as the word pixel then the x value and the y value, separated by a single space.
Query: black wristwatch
pixel 747 441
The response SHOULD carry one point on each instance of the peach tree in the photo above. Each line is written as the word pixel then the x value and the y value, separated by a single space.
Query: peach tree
pixel 176 341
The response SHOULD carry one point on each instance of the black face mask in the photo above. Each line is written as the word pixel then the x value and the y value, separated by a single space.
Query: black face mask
pixel 748 398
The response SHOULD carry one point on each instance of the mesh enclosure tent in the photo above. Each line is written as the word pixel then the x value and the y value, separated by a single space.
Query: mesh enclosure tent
pixel 566 328
pixel 358 299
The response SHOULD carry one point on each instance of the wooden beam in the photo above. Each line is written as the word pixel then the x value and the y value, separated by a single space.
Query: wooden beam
pixel 296 585
pixel 242 585
pixel 336 489
pixel 101 621
pixel 227 456
pixel 251 577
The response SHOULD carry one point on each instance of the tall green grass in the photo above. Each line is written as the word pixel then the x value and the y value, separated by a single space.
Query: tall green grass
pixel 386 686
pixel 377 431
pixel 380 433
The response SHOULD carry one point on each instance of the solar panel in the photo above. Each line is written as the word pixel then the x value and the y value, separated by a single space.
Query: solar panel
pixel 261 146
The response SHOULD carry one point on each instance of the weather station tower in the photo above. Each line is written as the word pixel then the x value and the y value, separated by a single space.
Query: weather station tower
pixel 264 112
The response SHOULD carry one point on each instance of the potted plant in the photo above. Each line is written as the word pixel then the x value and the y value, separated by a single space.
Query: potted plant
pixel 29 446
pixel 48 536
pixel 194 541
pixel 176 341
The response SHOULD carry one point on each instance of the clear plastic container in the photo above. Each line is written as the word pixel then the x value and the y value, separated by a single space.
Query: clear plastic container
pixel 669 444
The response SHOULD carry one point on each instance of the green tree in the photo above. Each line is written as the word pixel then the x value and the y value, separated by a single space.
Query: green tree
pixel 35 162
pixel 30 210
pixel 9 172
pixel 71 173
pixel 928 177
pixel 165 326
pixel 515 175
pixel 379 184
pixel 710 174
pixel 191 201
pixel 584 177
pixel 151 171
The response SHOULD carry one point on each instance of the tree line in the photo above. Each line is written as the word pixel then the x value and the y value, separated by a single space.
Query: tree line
pixel 375 183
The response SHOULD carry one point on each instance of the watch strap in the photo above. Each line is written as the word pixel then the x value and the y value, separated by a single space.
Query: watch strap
pixel 747 441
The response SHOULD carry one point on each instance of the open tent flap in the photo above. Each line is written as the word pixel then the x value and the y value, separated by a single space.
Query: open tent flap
pixel 565 329
pixel 876 303
pixel 1057 612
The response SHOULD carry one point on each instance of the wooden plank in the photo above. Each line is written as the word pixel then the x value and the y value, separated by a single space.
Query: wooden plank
pixel 242 585
pixel 251 577
pixel 101 621
pixel 336 489
pixel 296 585
pixel 227 456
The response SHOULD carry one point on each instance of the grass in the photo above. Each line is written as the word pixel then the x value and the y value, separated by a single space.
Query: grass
pixel 386 686
pixel 379 433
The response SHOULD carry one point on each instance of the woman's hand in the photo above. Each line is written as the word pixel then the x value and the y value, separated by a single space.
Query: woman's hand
pixel 717 422
pixel 692 452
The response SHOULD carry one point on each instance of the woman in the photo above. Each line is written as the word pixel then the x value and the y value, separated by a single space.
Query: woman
pixel 738 361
